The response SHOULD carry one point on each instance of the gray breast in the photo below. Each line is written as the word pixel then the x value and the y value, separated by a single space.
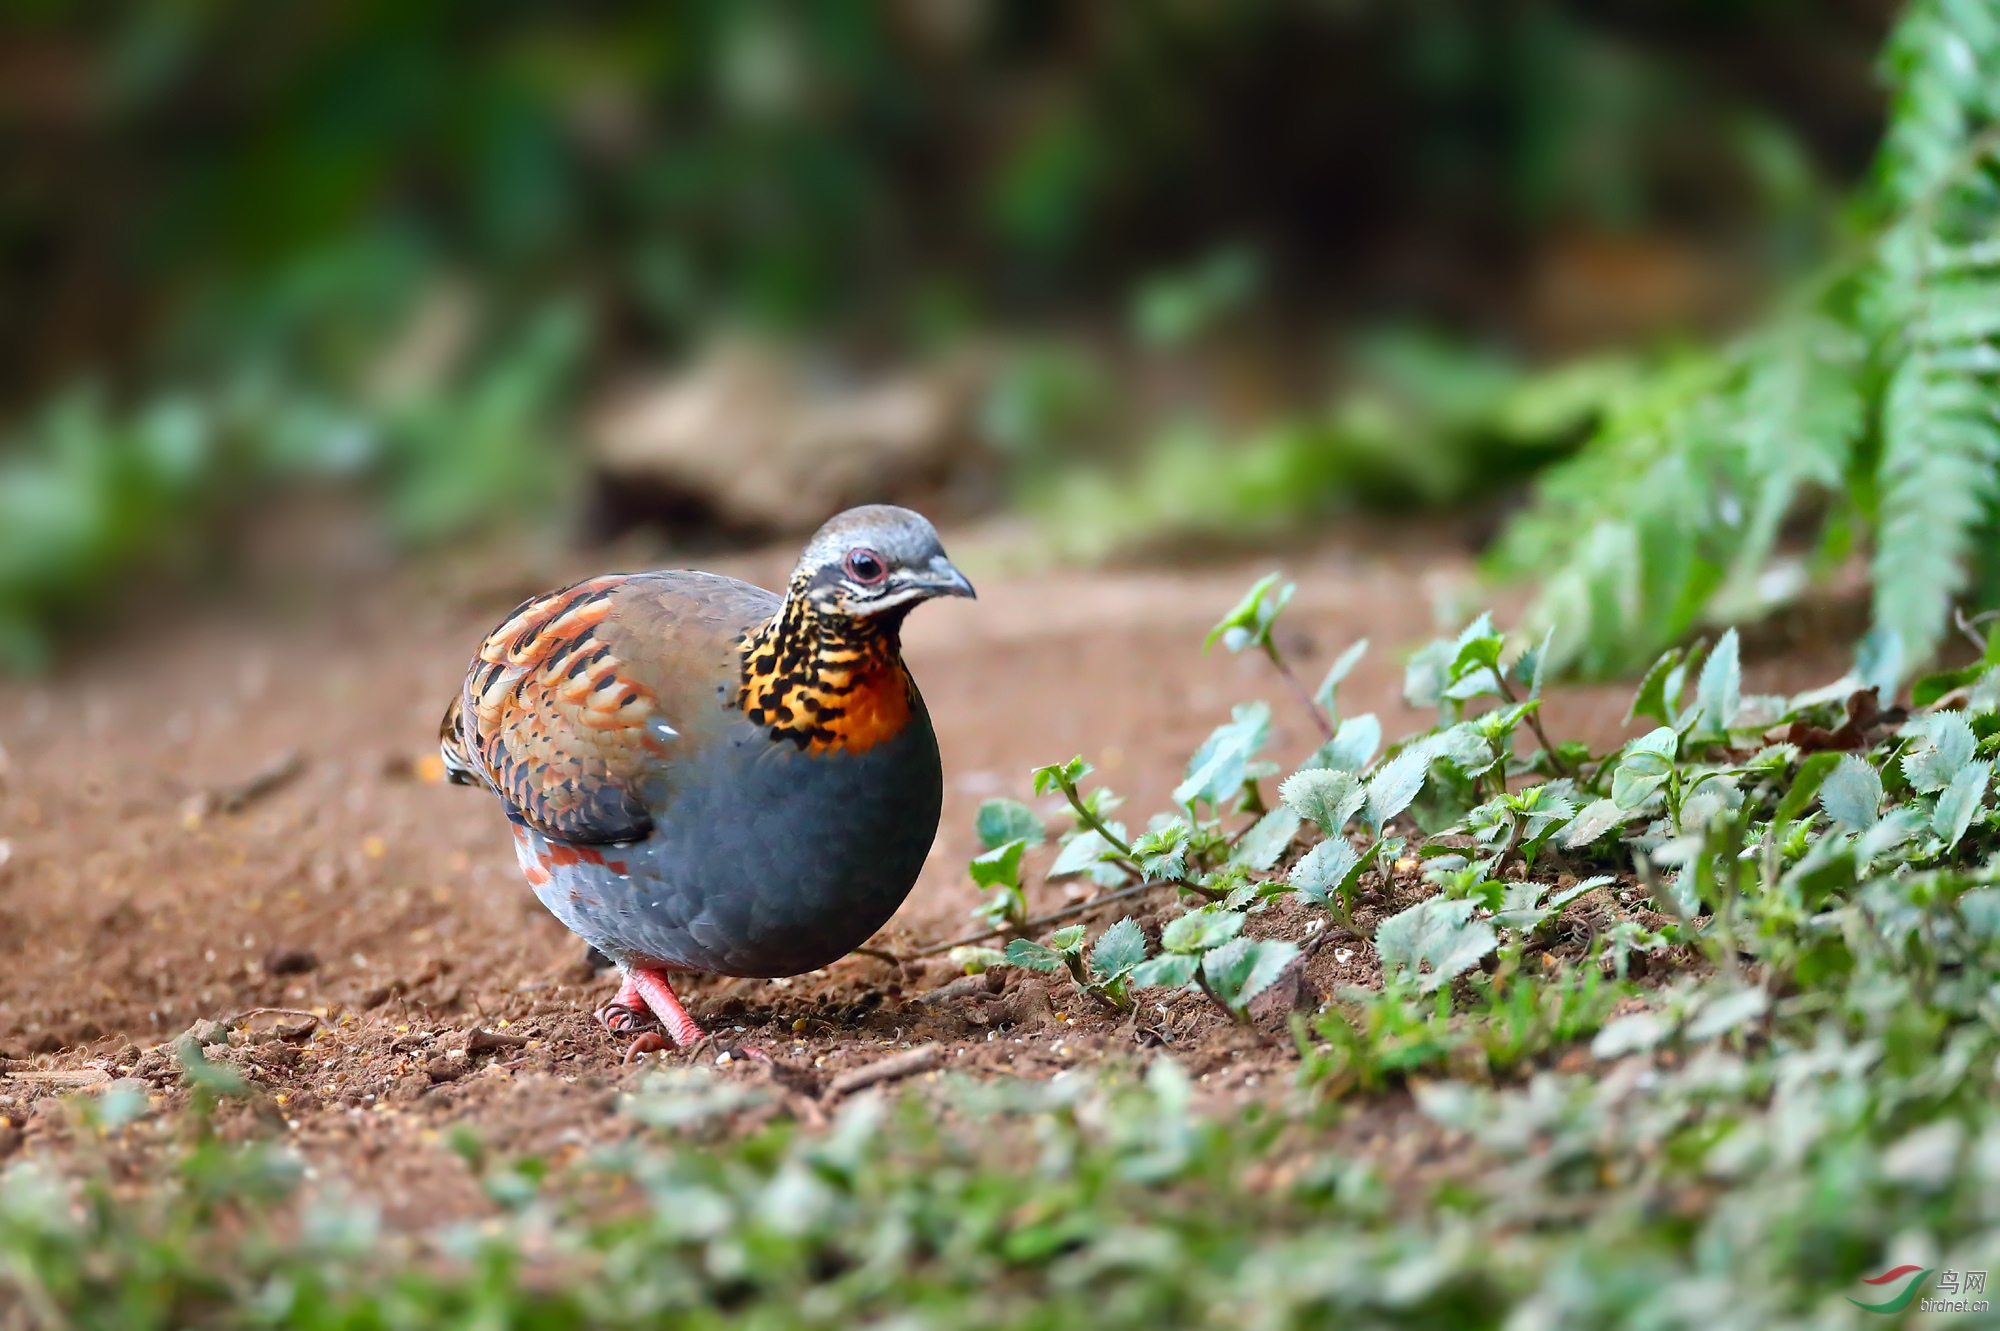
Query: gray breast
pixel 767 860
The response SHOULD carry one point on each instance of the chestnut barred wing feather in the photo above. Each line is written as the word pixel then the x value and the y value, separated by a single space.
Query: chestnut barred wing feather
pixel 553 719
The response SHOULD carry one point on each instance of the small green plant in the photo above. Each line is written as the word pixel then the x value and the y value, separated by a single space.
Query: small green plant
pixel 1106 973
pixel 1205 948
pixel 1368 1038
pixel 1008 829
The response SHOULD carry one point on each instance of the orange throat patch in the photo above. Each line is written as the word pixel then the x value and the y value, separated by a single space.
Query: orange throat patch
pixel 825 684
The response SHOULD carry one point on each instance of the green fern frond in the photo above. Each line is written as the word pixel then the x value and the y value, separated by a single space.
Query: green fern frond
pixel 1940 464
pixel 1943 66
pixel 1879 389
pixel 1940 451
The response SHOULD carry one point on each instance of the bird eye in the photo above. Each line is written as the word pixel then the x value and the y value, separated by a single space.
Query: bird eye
pixel 866 566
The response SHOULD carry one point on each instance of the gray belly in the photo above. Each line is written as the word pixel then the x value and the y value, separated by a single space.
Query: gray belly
pixel 767 861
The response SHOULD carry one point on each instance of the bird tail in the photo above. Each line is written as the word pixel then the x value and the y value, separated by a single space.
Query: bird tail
pixel 459 768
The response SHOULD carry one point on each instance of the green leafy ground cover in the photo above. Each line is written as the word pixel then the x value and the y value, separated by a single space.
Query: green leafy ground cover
pixel 1801 1098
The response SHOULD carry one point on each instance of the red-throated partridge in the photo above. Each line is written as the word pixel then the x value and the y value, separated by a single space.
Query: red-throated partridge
pixel 704 776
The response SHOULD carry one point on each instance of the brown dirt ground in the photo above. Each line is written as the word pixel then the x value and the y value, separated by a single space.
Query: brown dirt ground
pixel 131 906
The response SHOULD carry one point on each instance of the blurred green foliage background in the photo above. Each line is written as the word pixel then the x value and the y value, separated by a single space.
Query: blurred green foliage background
pixel 397 249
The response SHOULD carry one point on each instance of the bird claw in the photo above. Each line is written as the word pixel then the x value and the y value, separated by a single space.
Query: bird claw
pixel 651 1042
pixel 622 1019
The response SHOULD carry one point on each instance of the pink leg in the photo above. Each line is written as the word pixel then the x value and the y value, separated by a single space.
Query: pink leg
pixel 658 995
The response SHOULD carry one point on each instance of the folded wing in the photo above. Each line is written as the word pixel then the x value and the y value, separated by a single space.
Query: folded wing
pixel 555 722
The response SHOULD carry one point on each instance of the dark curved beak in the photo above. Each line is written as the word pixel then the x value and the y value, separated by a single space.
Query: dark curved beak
pixel 909 585
pixel 944 579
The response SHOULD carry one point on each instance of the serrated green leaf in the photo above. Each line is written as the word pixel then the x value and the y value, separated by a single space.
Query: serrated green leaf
pixel 1852 794
pixel 1495 726
pixel 1895 829
pixel 1249 621
pixel 1437 933
pixel 1244 612
pixel 1082 853
pixel 1264 844
pixel 1719 693
pixel 1033 956
pixel 1773 759
pixel 1068 938
pixel 1879 659
pixel 1328 797
pixel 1938 476
pixel 1960 803
pixel 1243 968
pixel 1650 699
pixel 1577 889
pixel 1944 745
pixel 1427 674
pixel 1245 895
pixel 1521 907
pixel 1546 806
pixel 1465 746
pixel 1327 871
pixel 1533 665
pixel 1352 747
pixel 1122 947
pixel 999 867
pixel 1199 930
pixel 1002 820
pixel 1986 692
pixel 1171 970
pixel 1592 822
pixel 1645 766
pixel 1161 851
pixel 1477 647
pixel 1395 785
pixel 1479 682
pixel 1216 771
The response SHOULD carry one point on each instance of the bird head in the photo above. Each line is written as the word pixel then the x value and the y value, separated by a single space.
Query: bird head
pixel 872 561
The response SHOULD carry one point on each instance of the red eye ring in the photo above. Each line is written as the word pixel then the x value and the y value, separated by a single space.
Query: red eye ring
pixel 865 567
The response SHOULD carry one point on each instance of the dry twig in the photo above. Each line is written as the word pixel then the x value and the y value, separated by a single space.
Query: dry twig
pixel 907 1064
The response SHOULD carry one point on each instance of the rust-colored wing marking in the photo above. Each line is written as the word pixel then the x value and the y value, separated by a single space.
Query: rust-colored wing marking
pixel 553 723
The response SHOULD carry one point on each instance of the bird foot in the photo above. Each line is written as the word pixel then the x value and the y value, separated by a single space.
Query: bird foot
pixel 643 997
